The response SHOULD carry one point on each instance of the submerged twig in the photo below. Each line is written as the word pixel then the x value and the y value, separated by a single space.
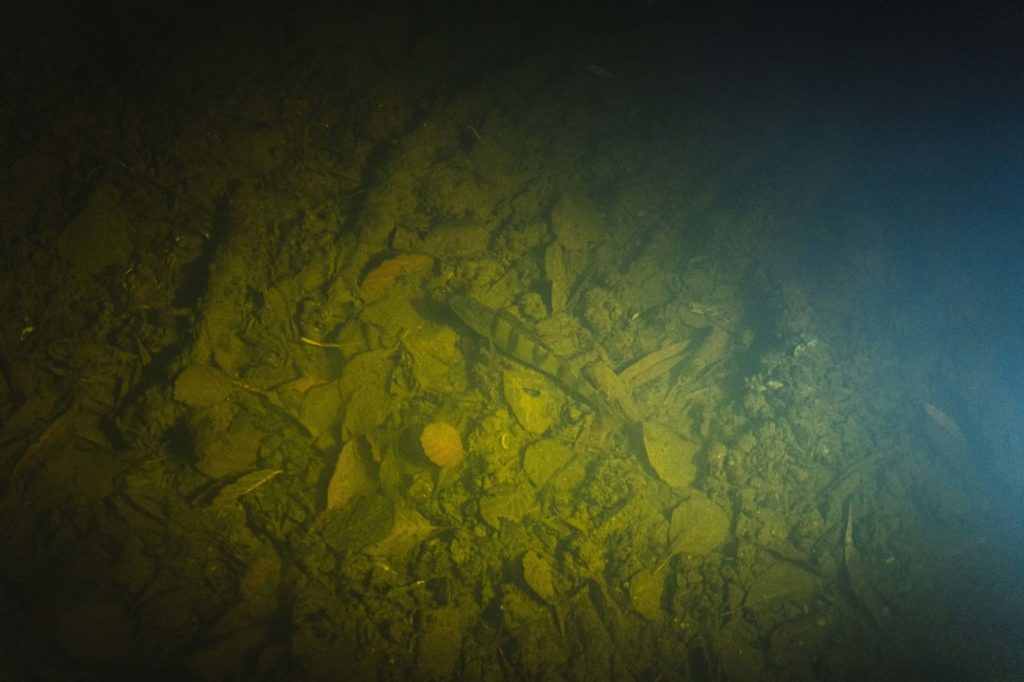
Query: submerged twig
pixel 243 486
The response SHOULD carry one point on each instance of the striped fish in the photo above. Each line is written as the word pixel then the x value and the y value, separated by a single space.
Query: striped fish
pixel 514 340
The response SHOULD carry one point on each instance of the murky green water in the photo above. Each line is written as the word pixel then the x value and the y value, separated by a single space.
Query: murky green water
pixel 697 435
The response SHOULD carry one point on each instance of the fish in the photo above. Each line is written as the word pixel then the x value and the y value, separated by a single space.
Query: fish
pixel 946 429
pixel 599 71
pixel 865 592
pixel 514 339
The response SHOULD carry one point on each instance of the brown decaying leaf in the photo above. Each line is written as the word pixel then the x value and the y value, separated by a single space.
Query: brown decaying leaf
pixel 511 504
pixel 540 576
pixel 698 527
pixel 353 474
pixel 410 529
pixel 670 456
pixel 646 591
pixel 61 428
